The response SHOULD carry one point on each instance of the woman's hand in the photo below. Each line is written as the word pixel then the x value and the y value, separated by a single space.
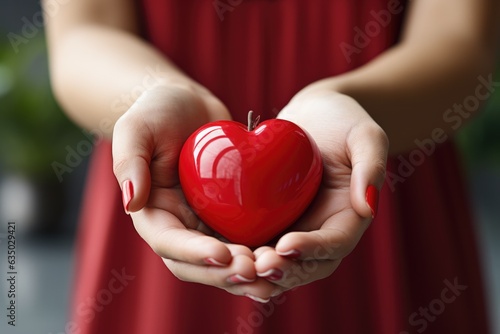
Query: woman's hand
pixel 147 141
pixel 354 151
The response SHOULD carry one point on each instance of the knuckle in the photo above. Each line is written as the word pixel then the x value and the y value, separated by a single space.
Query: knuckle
pixel 374 131
pixel 380 168
pixel 119 166
pixel 158 243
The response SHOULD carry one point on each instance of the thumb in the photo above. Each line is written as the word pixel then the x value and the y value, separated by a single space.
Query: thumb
pixel 368 145
pixel 132 149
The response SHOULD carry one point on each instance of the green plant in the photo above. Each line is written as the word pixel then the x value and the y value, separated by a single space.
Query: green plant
pixel 479 141
pixel 33 129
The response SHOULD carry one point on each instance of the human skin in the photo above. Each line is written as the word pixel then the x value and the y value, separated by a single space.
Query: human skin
pixel 397 97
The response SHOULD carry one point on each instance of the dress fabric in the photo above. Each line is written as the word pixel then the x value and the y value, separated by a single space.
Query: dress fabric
pixel 416 268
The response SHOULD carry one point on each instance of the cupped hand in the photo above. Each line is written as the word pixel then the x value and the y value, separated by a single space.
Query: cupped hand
pixel 354 151
pixel 147 141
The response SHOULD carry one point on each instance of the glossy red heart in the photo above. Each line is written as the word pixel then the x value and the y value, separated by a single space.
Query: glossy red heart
pixel 250 185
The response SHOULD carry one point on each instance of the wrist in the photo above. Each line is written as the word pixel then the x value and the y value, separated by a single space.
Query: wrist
pixel 312 99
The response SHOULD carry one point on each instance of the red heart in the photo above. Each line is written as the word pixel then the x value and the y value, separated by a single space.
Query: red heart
pixel 250 185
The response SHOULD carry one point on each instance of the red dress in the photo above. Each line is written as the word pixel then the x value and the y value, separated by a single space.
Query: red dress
pixel 415 269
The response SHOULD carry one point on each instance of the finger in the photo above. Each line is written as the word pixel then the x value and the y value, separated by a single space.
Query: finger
pixel 240 250
pixel 132 152
pixel 170 239
pixel 259 251
pixel 368 146
pixel 289 274
pixel 327 201
pixel 336 238
pixel 270 266
pixel 239 278
pixel 260 290
pixel 240 271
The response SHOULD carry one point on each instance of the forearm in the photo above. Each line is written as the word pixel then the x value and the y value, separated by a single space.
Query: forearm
pixel 99 68
pixel 409 90
pixel 98 73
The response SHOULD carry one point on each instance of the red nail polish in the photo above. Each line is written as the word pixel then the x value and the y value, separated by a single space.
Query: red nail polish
pixel 272 275
pixel 291 254
pixel 213 262
pixel 237 278
pixel 257 299
pixel 372 199
pixel 127 194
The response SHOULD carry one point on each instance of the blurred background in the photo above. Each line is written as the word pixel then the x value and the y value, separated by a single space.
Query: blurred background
pixel 40 187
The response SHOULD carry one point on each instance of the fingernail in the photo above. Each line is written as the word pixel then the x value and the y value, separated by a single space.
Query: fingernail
pixel 257 299
pixel 213 262
pixel 272 274
pixel 127 194
pixel 372 199
pixel 237 278
pixel 291 254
